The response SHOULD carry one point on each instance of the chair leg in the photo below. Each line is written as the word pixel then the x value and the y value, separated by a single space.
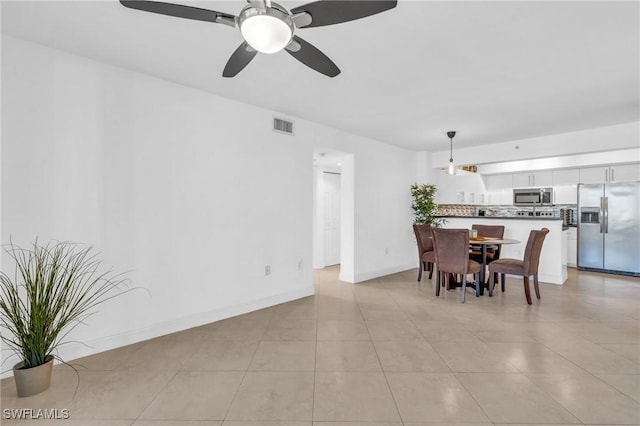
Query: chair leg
pixel 431 265
pixel 453 281
pixel 464 286
pixel 477 278
pixel 492 285
pixel 527 290
pixel 502 278
pixel 419 271
pixel 438 279
pixel 535 286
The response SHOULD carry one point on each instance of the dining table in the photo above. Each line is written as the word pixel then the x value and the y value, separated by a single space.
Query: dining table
pixel 484 242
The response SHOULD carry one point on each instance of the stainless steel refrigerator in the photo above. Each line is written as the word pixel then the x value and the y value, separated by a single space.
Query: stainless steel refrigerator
pixel 609 227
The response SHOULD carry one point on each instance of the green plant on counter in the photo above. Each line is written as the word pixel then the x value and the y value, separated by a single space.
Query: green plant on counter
pixel 425 208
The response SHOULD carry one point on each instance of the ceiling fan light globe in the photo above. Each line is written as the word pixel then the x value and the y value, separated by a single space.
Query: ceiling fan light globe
pixel 265 33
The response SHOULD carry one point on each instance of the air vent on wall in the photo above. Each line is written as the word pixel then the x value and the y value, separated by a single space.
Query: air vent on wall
pixel 282 126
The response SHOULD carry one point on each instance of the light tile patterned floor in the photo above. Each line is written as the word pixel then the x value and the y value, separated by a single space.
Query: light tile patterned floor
pixel 386 352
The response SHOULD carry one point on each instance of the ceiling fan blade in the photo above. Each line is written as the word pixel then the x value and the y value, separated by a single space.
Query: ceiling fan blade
pixel 328 12
pixel 181 11
pixel 240 59
pixel 312 57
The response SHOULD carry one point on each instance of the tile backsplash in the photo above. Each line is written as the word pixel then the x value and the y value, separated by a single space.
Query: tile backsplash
pixel 472 210
pixel 457 210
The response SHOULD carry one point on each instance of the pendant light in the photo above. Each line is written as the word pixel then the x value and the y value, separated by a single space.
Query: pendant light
pixel 451 169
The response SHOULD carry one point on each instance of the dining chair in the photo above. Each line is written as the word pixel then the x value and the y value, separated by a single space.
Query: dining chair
pixel 426 254
pixel 452 256
pixel 527 267
pixel 493 252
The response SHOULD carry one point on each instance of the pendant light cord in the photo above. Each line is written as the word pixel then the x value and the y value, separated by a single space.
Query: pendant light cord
pixel 451 152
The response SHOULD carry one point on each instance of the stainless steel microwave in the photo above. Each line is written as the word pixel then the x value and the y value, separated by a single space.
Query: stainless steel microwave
pixel 533 197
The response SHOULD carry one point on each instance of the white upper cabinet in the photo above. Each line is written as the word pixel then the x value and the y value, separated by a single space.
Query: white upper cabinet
pixel 499 189
pixel 521 180
pixel 619 173
pixel 537 179
pixel 565 183
pixel 625 173
pixel 594 174
pixel 565 194
pixel 499 182
pixel 566 177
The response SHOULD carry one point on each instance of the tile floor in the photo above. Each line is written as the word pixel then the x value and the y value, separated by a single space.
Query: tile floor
pixel 385 352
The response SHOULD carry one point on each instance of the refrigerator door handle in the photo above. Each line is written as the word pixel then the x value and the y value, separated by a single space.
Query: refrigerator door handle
pixel 606 214
pixel 601 215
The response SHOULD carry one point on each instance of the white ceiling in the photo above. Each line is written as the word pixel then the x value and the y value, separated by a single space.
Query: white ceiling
pixel 493 71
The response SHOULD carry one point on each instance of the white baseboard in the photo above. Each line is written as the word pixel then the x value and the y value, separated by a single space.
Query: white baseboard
pixel 551 279
pixel 368 275
pixel 75 350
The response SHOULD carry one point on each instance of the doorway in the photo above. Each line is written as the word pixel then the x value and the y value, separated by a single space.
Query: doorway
pixel 333 211
pixel 330 188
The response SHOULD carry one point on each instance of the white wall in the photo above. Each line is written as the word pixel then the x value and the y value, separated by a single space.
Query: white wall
pixel 610 138
pixel 183 188
pixel 347 220
pixel 377 237
pixel 193 193
pixel 384 238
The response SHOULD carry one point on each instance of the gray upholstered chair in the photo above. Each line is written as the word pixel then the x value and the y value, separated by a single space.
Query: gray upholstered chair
pixel 452 256
pixel 527 267
pixel 426 255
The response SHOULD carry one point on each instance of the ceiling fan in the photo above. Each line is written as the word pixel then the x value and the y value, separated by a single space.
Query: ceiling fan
pixel 268 27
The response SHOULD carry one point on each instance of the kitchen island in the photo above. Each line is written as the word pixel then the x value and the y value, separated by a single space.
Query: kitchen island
pixel 553 259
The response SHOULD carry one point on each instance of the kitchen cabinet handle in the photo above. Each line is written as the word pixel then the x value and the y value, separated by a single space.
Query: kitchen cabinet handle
pixel 606 175
pixel 613 179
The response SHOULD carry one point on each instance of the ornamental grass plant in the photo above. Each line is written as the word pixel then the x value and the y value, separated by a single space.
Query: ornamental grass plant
pixel 55 287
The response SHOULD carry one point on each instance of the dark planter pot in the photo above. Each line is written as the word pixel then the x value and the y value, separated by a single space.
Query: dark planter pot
pixel 30 381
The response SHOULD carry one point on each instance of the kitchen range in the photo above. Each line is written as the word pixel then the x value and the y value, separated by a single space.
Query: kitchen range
pixel 548 213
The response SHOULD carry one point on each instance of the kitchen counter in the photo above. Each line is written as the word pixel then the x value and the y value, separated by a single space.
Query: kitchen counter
pixel 553 264
pixel 505 217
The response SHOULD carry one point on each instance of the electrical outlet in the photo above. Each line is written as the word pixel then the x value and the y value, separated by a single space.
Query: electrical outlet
pixel 386 251
pixel 300 265
pixel 267 269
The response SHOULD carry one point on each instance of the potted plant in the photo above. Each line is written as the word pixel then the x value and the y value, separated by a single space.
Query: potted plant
pixel 425 208
pixel 54 288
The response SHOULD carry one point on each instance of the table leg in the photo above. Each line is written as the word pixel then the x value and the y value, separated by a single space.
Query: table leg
pixel 480 285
